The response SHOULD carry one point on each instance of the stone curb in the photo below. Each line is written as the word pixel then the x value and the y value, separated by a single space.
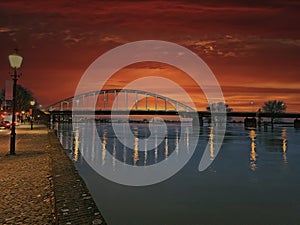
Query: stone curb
pixel 73 202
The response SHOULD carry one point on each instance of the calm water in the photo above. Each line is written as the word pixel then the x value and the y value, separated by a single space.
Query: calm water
pixel 255 178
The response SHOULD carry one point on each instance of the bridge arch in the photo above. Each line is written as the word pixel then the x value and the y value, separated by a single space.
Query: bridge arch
pixel 143 100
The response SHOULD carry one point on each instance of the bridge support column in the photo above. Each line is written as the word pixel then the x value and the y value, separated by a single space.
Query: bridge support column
pixel 126 100
pixel 196 120
pixel 297 123
pixel 105 99
pixel 259 120
pixel 116 100
pixel 250 122
pixel 200 121
pixel 136 101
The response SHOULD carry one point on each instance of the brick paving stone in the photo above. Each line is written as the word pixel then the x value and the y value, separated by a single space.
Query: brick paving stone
pixel 26 196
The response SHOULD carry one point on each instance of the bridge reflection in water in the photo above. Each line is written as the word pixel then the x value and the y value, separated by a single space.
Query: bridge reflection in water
pixel 139 155
pixel 142 156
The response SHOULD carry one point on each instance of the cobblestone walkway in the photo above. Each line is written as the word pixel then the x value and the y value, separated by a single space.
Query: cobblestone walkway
pixel 40 185
pixel 25 180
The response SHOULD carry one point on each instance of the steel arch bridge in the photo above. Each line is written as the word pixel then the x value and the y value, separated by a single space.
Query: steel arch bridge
pixel 122 100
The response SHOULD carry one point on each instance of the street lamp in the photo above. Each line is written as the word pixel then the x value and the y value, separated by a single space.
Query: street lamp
pixel 15 62
pixel 32 103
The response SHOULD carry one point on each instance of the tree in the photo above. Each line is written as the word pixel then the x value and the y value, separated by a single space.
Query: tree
pixel 274 107
pixel 23 98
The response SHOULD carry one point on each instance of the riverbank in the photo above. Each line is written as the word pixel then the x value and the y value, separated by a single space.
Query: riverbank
pixel 40 185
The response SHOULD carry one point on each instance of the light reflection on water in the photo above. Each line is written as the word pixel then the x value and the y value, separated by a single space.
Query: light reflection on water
pixel 76 146
pixel 104 143
pixel 211 143
pixel 253 154
pixel 256 172
pixel 284 145
pixel 138 156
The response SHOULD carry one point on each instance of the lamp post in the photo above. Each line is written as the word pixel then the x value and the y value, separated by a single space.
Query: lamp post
pixel 32 103
pixel 23 117
pixel 15 62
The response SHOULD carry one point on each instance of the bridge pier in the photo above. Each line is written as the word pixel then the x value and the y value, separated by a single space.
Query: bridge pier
pixel 259 123
pixel 197 121
pixel 200 121
pixel 56 118
pixel 250 122
pixel 297 123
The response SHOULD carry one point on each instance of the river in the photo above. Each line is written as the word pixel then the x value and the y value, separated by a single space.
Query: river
pixel 254 179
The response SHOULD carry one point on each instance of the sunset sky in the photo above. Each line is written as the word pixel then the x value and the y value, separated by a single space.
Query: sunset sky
pixel 252 47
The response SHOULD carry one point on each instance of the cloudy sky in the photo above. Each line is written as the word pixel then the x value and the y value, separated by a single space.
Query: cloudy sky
pixel 252 47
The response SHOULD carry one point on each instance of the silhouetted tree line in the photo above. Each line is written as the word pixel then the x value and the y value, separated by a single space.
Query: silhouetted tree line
pixel 23 98
pixel 272 106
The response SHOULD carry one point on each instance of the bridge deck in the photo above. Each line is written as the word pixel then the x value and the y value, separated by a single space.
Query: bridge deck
pixel 171 112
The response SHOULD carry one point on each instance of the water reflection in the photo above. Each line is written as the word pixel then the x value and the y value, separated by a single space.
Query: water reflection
pixel 275 141
pixel 76 146
pixel 114 153
pixel 140 154
pixel 166 148
pixel 156 149
pixel 136 148
pixel 104 143
pixel 145 153
pixel 211 143
pixel 284 145
pixel 176 142
pixel 93 141
pixel 187 139
pixel 271 181
pixel 253 154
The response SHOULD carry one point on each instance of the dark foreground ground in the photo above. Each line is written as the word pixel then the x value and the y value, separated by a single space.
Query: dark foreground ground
pixel 39 185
